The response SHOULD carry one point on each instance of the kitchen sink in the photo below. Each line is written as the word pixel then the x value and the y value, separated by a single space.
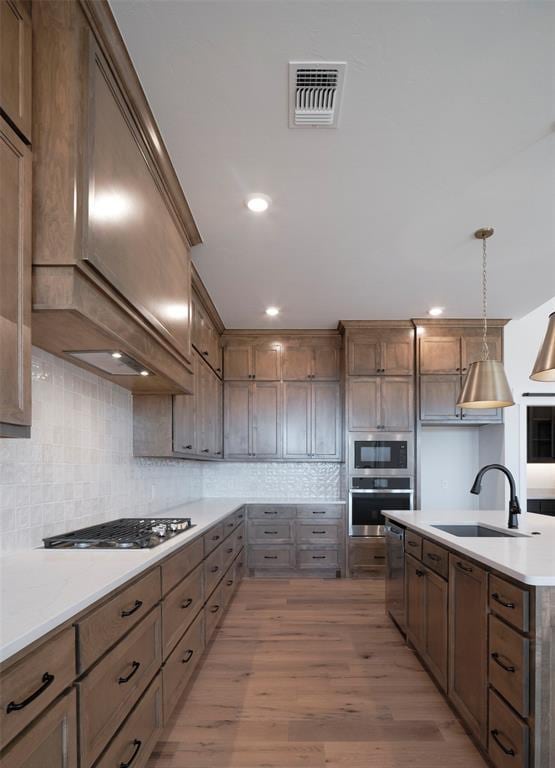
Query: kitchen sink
pixel 473 530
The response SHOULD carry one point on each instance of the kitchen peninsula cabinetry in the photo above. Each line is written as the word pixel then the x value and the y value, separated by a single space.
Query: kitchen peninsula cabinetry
pixel 15 219
pixel 112 230
pixel 136 651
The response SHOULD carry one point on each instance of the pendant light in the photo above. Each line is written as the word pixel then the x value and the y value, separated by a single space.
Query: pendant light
pixel 485 385
pixel 544 369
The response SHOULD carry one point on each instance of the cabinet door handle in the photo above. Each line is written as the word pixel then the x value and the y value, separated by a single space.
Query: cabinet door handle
pixel 270 512
pixel 187 603
pixel 130 611
pixel 137 743
pixel 187 447
pixel 498 660
pixel 431 556
pixel 270 557
pixel 318 511
pixel 206 450
pixel 420 573
pixel 216 537
pixel 134 667
pixel 47 679
pixel 507 750
pixel 505 603
pixel 229 550
pixel 379 557
pixel 205 353
pixel 215 609
pixel 465 568
pixel 412 543
pixel 229 582
pixel 318 557
pixel 270 532
pixel 215 569
pixel 188 656
pixel 320 533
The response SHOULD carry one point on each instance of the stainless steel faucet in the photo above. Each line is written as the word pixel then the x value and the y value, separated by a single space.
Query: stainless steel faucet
pixel 514 505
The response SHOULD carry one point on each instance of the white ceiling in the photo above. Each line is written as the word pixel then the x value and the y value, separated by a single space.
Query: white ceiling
pixel 447 125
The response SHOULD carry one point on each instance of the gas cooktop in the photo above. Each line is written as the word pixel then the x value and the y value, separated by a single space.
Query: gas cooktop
pixel 124 533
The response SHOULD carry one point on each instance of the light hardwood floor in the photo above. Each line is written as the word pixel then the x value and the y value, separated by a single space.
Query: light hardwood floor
pixel 312 673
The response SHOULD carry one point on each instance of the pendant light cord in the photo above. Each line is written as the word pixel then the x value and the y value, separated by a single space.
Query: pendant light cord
pixel 485 347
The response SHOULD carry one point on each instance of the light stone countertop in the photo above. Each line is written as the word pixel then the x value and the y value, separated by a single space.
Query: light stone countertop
pixel 529 559
pixel 40 588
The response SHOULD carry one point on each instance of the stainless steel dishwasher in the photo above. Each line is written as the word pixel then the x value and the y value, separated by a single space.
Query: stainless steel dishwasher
pixel 395 572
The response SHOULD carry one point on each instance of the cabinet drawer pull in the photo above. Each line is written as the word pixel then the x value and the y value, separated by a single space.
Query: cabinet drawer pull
pixel 320 533
pixel 229 550
pixel 318 511
pixel 505 603
pixel 206 450
pixel 187 603
pixel 130 611
pixel 465 568
pixel 431 556
pixel 269 533
pixel 230 525
pixel 205 353
pixel 379 557
pixel 318 557
pixel 47 679
pixel 215 609
pixel 229 582
pixel 270 557
pixel 216 537
pixel 137 743
pixel 412 543
pixel 419 572
pixel 239 538
pixel 187 447
pixel 507 750
pixel 270 512
pixel 498 660
pixel 188 656
pixel 215 569
pixel 134 667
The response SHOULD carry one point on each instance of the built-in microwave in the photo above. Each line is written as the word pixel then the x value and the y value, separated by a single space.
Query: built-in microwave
pixel 381 452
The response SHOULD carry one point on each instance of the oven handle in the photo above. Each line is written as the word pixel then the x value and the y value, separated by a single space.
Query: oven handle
pixel 406 491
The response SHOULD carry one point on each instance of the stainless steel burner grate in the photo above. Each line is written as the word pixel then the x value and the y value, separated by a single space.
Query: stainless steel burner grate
pixel 124 533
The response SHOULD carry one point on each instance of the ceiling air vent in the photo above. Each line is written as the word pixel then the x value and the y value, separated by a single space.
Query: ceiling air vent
pixel 315 89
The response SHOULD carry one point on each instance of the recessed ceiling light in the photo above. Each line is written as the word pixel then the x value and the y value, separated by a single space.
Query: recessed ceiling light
pixel 144 373
pixel 272 311
pixel 258 202
pixel 117 355
pixel 435 311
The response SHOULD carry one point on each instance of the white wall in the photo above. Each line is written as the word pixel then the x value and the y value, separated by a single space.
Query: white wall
pixel 522 342
pixel 449 461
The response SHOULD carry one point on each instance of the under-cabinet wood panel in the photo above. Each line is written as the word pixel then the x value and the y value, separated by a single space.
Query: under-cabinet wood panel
pixel 50 742
pixel 15 279
pixel 15 64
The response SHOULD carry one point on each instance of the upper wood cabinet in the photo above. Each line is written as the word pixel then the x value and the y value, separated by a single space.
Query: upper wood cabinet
pixel 302 360
pixel 381 351
pixel 311 420
pixel 380 403
pixel 260 360
pixel 205 337
pixel 252 420
pixel 438 402
pixel 108 205
pixel 15 64
pixel 453 351
pixel 15 281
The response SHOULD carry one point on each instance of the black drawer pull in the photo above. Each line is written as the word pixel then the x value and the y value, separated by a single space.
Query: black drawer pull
pixel 270 557
pixel 216 537
pixel 137 743
pixel 412 543
pixel 206 450
pixel 229 550
pixel 270 532
pixel 507 750
pixel 136 605
pixel 318 557
pixel 215 609
pixel 379 557
pixel 187 447
pixel 215 569
pixel 318 511
pixel 239 538
pixel 230 525
pixel 270 512
pixel 465 568
pixel 47 679
pixel 187 602
pixel 229 582
pixel 135 666
pixel 505 603
pixel 498 660
pixel 188 656
pixel 431 556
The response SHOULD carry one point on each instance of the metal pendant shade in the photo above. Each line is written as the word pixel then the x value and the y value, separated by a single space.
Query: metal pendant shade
pixel 544 369
pixel 485 385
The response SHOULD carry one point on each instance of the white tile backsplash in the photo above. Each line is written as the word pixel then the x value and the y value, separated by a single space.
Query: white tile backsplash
pixel 77 468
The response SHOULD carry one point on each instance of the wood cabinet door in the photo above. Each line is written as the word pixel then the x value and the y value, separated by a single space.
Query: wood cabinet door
pixel 132 236
pixel 440 354
pixel 266 420
pixel 266 361
pixel 326 364
pixel 15 282
pixel 326 420
pixel 218 417
pixel 297 362
pixel 363 398
pixel 415 591
pixel 237 362
pixel 472 349
pixel 364 357
pixel 184 436
pixel 438 398
pixel 468 643
pixel 435 621
pixel 237 420
pixel 397 356
pixel 198 325
pixel 297 428
pixel 15 64
pixel 50 742
pixel 397 396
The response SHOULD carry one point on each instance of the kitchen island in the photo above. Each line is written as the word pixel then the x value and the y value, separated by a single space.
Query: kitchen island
pixel 480 613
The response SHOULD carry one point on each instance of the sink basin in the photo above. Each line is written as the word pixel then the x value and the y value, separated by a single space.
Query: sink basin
pixel 473 531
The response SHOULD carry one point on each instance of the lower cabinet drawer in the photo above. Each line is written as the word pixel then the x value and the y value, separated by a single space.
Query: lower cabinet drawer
pixel 270 532
pixel 508 736
pixel 509 661
pixel 317 532
pixel 238 537
pixel 111 688
pixel 272 557
pixel 27 687
pixel 228 553
pixel 272 511
pixel 229 524
pixel 137 737
pixel 367 555
pixel 413 544
pixel 318 558
pixel 213 538
pixel 50 742
pixel 213 570
pixel 180 607
pixel 213 611
pixel 435 557
pixel 179 565
pixel 181 664
pixel 320 511
pixel 510 602
pixel 229 584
